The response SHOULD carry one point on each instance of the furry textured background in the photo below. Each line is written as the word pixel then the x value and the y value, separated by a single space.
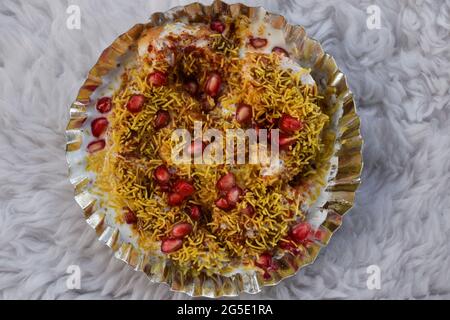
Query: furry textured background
pixel 400 77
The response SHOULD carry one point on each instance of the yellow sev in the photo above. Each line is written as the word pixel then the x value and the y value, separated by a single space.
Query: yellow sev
pixel 124 171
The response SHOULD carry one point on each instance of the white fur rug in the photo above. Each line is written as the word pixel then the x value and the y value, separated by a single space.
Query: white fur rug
pixel 400 77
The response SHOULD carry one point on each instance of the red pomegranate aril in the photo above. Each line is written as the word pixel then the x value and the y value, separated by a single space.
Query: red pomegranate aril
pixel 183 188
pixel 264 261
pixel 258 42
pixel 171 245
pixel 99 126
pixel 227 182
pixel 290 124
pixel 162 175
pixel 267 276
pixel 280 51
pixel 181 230
pixel 287 245
pixel 95 146
pixel 234 195
pixel 213 83
pixel 223 204
pixel 157 78
pixel 104 105
pixel 300 232
pixel 249 210
pixel 195 213
pixel 244 113
pixel 129 216
pixel 135 103
pixel 217 26
pixel 196 148
pixel 164 187
pixel 285 141
pixel 191 87
pixel 175 199
pixel 319 235
pixel 162 119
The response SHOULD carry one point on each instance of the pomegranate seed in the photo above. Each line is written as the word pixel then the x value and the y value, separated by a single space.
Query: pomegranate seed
pixel 217 26
pixel 129 216
pixel 183 188
pixel 258 42
pixel 280 51
pixel 195 213
pixel 234 195
pixel 290 124
pixel 104 105
pixel 162 119
pixel 181 230
pixel 300 232
pixel 157 78
pixel 319 235
pixel 264 261
pixel 98 126
pixel 213 84
pixel 191 87
pixel 175 199
pixel 267 276
pixel 162 175
pixel 244 113
pixel 196 148
pixel 135 103
pixel 95 146
pixel 164 187
pixel 287 245
pixel 285 141
pixel 227 182
pixel 171 245
pixel 249 210
pixel 222 203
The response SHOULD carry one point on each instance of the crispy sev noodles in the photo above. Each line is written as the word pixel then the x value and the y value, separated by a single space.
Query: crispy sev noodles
pixel 222 240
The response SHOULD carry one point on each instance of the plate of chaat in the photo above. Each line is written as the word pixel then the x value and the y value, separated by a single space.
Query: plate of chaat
pixel 215 227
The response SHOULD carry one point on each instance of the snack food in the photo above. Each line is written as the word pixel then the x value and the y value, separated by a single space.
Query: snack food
pixel 209 220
